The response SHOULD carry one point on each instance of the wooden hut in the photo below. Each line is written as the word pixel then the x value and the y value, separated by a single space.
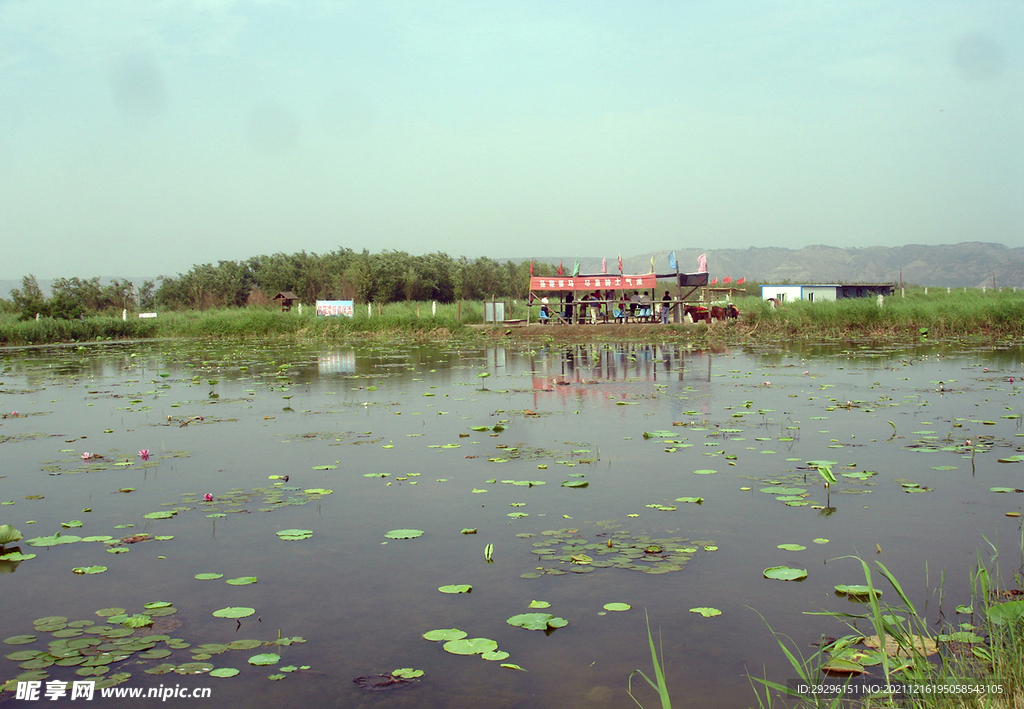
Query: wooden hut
pixel 286 298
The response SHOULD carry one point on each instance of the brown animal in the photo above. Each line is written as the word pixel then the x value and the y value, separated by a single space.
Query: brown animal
pixel 720 313
pixel 697 313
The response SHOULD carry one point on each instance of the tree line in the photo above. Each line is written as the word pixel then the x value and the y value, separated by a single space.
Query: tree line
pixel 342 274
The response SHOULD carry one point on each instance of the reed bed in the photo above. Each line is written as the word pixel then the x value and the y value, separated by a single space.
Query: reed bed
pixel 939 315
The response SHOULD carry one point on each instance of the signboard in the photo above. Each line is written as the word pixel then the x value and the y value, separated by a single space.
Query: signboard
pixel 646 281
pixel 332 308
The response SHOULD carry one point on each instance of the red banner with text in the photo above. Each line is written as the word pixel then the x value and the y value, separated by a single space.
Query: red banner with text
pixel 647 281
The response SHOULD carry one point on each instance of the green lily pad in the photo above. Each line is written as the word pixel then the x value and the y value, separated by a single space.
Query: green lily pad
pixel 445 634
pixel 706 612
pixel 457 588
pixel 209 577
pixel 20 639
pixel 539 604
pixel 784 573
pixel 704 472
pixel 404 673
pixel 404 533
pixel 617 606
pixel 470 646
pixel 512 665
pixel 266 658
pixel 575 483
pixel 495 655
pixel 242 581
pixel 234 612
pixel 292 535
pixel 536 621
pixel 53 541
pixel 791 547
pixel 224 672
pixel 855 590
pixel 89 569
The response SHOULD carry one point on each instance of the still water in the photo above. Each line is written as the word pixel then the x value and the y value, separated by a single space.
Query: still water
pixel 417 438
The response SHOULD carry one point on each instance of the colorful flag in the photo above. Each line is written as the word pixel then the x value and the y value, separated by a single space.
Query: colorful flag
pixel 620 264
pixel 652 264
pixel 672 261
pixel 726 279
pixel 702 263
pixel 531 267
pixel 576 268
pixel 741 281
pixel 560 269
pixel 714 281
pixel 604 265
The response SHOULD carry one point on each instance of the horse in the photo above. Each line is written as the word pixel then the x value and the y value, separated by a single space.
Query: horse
pixel 721 313
pixel 697 313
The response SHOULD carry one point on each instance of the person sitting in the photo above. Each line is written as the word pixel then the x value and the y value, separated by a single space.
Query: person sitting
pixel 545 314
pixel 645 307
pixel 634 305
pixel 619 313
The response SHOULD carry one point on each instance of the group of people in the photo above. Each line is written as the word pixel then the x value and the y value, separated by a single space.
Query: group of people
pixel 636 308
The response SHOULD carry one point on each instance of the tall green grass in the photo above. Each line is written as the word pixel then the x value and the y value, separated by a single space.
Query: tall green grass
pixel 957 314
pixel 987 651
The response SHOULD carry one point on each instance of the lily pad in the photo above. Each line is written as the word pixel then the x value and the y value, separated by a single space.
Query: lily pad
pixel 293 535
pixel 706 611
pixel 617 606
pixel 404 533
pixel 456 588
pixel 536 621
pixel 470 646
pixel 266 658
pixel 234 612
pixel 242 581
pixel 89 569
pixel 209 576
pixel 784 573
pixel 444 634
pixel 224 672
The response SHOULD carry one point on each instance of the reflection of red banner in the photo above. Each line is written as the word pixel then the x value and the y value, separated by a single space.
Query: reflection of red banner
pixel 601 282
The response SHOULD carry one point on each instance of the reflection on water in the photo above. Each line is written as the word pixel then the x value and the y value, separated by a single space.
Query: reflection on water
pixel 412 437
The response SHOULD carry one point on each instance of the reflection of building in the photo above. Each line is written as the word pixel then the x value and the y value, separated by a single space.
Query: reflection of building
pixel 338 362
pixel 833 291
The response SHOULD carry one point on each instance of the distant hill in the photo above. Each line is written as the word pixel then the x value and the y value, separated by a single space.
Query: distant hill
pixel 971 264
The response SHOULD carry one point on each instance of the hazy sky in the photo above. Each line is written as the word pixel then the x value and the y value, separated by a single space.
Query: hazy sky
pixel 140 137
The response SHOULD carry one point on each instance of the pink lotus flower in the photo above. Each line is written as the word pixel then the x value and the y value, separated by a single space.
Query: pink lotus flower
pixel 144 454
pixel 208 497
pixel 86 456
pixel 14 414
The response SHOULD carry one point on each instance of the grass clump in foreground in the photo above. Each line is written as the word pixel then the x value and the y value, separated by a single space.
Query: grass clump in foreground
pixel 659 684
pixel 969 665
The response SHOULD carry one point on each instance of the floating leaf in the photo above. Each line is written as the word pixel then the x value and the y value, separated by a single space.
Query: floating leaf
pixel 89 569
pixel 511 665
pixel 404 533
pixel 266 658
pixel 539 604
pixel 234 612
pixel 706 612
pixel 855 590
pixel 784 573
pixel 704 472
pixel 575 483
pixel 536 621
pixel 224 672
pixel 470 646
pixel 458 588
pixel 791 547
pixel 242 581
pixel 617 606
pixel 209 577
pixel 404 673
pixel 444 634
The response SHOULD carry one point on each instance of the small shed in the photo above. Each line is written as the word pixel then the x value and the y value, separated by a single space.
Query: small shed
pixel 287 299
pixel 825 291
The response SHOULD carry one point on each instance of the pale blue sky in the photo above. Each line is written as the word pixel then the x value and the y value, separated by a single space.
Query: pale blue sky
pixel 142 137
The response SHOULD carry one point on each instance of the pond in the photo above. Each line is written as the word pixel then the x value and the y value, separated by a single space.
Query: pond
pixel 548 479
